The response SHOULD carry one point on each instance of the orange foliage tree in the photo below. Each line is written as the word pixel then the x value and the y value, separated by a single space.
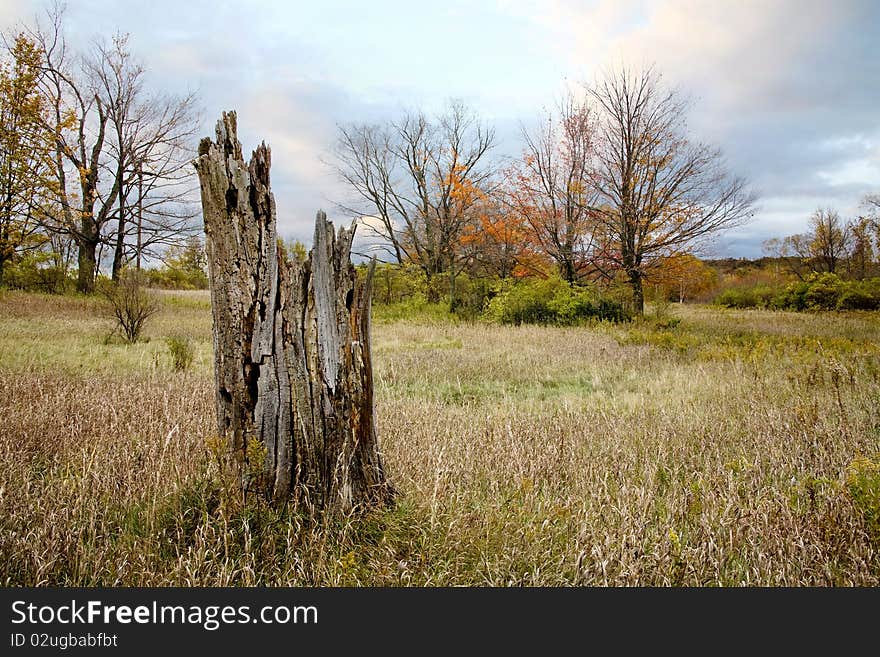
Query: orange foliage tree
pixel 682 276
pixel 550 192
pixel 499 244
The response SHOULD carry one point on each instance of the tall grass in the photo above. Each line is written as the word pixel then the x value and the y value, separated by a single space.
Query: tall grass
pixel 610 455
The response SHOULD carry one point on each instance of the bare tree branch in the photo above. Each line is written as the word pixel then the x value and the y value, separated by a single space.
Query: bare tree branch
pixel 659 193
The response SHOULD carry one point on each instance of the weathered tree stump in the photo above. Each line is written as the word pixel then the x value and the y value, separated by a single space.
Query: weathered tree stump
pixel 292 358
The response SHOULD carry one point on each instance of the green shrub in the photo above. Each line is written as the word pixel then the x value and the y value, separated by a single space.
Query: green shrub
pixel 860 295
pixel 857 299
pixel 34 272
pixel 551 301
pixel 472 295
pixel 394 283
pixel 824 291
pixel 792 297
pixel 817 292
pixel 414 308
pixel 169 278
pixel 182 352
pixel 745 297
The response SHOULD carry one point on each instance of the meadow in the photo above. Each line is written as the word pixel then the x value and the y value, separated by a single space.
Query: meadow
pixel 700 446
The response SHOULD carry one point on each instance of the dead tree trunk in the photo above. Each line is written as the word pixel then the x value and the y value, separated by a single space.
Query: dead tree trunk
pixel 292 364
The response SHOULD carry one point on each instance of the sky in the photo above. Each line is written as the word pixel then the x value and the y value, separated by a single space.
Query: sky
pixel 788 89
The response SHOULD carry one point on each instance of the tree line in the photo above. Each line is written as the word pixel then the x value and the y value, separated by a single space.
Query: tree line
pixel 96 166
pixel 609 186
pixel 833 245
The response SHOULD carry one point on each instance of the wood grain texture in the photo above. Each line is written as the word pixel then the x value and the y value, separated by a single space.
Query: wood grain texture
pixel 292 365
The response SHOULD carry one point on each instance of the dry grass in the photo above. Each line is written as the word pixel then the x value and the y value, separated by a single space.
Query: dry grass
pixel 736 448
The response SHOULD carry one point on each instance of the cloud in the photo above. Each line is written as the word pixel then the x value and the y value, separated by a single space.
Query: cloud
pixel 12 11
pixel 235 57
pixel 786 88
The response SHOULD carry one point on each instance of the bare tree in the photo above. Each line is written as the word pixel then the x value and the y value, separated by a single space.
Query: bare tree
pixel 365 160
pixel 419 179
pixel 161 176
pixel 118 82
pixel 822 249
pixel 149 155
pixel 787 251
pixel 119 144
pixel 659 193
pixel 872 202
pixel 552 188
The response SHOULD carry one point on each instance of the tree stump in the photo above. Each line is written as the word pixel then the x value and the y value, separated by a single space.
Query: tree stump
pixel 292 362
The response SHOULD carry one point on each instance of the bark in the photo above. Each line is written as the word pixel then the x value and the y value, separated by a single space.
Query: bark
pixel 293 365
pixel 87 263
pixel 119 250
pixel 638 295
pixel 569 271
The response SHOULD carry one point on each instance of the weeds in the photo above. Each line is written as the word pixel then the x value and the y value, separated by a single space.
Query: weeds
pixel 863 486
pixel 523 456
pixel 182 352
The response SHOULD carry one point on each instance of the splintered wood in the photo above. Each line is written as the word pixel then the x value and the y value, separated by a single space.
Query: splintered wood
pixel 292 364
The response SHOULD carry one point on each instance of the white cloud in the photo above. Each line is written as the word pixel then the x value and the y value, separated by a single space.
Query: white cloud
pixel 786 87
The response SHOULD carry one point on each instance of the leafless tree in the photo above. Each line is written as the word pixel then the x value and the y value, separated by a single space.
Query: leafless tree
pixel 659 192
pixel 872 203
pixel 119 144
pixel 787 251
pixel 418 181
pixel 118 83
pixel 365 160
pixel 149 156
pixel 822 249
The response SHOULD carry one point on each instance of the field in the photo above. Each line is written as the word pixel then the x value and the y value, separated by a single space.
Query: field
pixel 708 447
